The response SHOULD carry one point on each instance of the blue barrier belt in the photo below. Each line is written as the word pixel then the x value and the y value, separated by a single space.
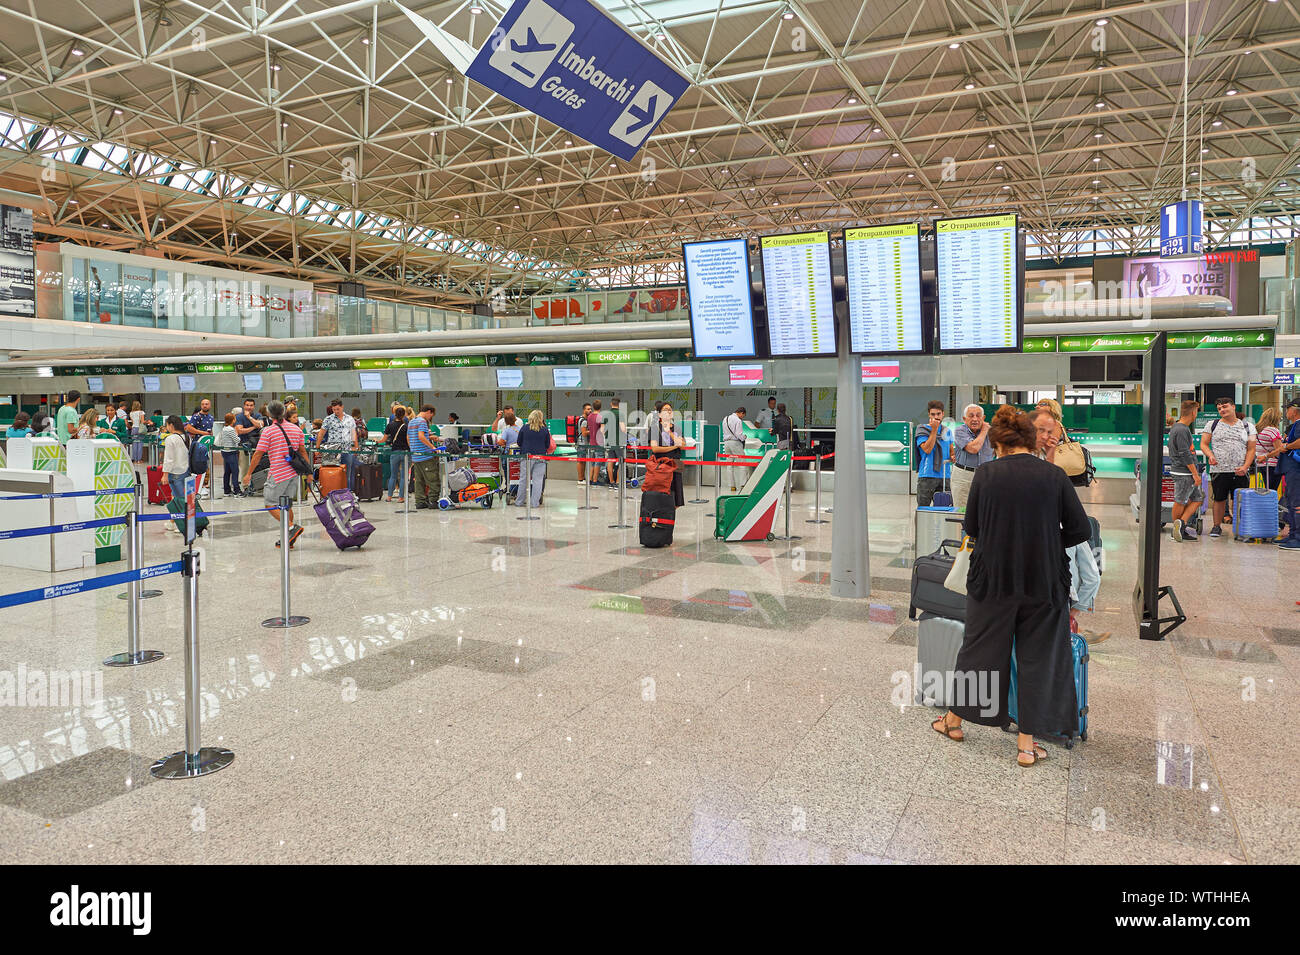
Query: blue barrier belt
pixel 107 492
pixel 60 528
pixel 93 583
pixel 208 514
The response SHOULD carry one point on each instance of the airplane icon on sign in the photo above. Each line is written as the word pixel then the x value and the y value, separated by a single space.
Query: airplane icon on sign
pixel 530 45
pixel 527 49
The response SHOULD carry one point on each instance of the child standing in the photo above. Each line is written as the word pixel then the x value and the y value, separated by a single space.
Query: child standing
pixel 228 444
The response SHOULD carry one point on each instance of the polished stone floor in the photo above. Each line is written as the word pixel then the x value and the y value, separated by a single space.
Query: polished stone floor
pixel 476 688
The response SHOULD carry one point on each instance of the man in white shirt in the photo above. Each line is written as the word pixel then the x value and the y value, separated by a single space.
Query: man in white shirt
pixel 763 420
pixel 733 443
pixel 1229 446
pixel 338 433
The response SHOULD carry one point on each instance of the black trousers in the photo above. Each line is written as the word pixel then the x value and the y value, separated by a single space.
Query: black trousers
pixel 1045 696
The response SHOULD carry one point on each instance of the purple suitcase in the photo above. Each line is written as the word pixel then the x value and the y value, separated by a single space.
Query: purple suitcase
pixel 342 517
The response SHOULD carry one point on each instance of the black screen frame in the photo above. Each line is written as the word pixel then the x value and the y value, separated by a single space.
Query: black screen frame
pixel 767 309
pixel 922 349
pixel 1019 345
pixel 690 300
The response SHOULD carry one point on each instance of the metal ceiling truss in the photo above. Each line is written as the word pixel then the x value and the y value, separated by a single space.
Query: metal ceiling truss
pixel 333 140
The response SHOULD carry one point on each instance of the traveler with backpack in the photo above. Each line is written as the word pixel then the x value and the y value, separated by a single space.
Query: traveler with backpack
pixel 280 443
pixel 1229 446
pixel 424 460
pixel 934 455
pixel 1287 455
pixel 733 445
pixel 228 444
pixel 176 456
pixel 395 438
pixel 583 443
pixel 1188 495
pixel 782 428
pixel 200 425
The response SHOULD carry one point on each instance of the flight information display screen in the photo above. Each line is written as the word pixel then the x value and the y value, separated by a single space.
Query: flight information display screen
pixel 371 381
pixel 882 271
pixel 745 375
pixel 567 377
pixel 718 296
pixel 420 380
pixel 797 290
pixel 980 292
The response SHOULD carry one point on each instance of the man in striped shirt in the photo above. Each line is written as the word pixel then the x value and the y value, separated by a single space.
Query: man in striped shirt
pixel 278 441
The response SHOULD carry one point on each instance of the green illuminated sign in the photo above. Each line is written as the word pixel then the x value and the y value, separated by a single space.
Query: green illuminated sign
pixel 627 356
pixel 1040 344
pixel 460 361
pixel 214 368
pixel 1248 338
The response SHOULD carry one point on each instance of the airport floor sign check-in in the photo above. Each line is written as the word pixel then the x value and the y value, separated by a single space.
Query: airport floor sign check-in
pixel 569 62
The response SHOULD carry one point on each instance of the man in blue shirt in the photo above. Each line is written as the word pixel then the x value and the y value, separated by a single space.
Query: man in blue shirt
pixel 971 447
pixel 425 469
pixel 1287 454
pixel 934 450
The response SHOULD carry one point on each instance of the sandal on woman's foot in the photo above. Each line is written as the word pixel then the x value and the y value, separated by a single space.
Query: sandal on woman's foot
pixel 944 728
pixel 1037 755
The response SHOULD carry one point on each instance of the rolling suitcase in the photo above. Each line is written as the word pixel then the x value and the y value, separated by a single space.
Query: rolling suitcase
pixel 177 507
pixel 937 641
pixel 160 492
pixel 1095 543
pixel 1079 651
pixel 332 477
pixel 658 517
pixel 257 479
pixel 369 482
pixel 929 593
pixel 343 520
pixel 1255 512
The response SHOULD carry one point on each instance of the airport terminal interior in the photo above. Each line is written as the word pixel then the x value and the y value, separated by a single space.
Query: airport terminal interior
pixel 627 449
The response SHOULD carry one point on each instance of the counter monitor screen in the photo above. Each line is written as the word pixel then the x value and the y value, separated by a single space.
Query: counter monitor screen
pixel 94 385
pixel 748 376
pixel 882 271
pixel 568 377
pixel 184 382
pixel 797 290
pixel 718 296
pixel 419 380
pixel 293 381
pixel 252 382
pixel 981 296
pixel 510 377
pixel 371 381
pixel 881 372
pixel 152 383
pixel 676 376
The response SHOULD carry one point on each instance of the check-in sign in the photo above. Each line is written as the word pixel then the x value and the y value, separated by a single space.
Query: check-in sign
pixel 569 62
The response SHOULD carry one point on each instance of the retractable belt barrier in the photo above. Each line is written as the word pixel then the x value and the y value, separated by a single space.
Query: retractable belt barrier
pixel 106 492
pixel 93 583
pixel 60 528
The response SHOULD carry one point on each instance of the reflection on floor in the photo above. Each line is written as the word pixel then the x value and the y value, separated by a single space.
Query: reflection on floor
pixel 473 688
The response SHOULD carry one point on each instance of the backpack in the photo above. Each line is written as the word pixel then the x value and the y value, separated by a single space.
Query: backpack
pixel 198 457
pixel 571 428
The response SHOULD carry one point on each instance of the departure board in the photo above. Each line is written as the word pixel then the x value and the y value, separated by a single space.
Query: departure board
pixel 980 294
pixel 882 271
pixel 719 298
pixel 798 293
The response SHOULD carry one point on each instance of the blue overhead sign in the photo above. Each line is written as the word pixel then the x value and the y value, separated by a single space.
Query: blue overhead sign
pixel 1181 230
pixel 569 62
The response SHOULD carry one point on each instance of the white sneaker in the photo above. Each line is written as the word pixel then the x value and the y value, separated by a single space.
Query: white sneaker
pixel 1176 530
pixel 581 481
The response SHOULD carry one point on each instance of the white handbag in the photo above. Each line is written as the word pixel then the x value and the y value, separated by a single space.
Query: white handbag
pixel 956 579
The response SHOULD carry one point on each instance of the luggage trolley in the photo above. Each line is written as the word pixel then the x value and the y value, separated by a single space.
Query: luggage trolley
pixel 1167 492
pixel 473 478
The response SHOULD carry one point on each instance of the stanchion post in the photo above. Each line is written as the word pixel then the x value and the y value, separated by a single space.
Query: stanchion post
pixel 286 619
pixel 788 472
pixel 817 479
pixel 699 467
pixel 194 759
pixel 407 464
pixel 586 494
pixel 620 455
pixel 135 544
pixel 133 656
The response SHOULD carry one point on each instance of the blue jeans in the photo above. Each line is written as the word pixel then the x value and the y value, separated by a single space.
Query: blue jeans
pixel 177 483
pixel 397 473
pixel 230 472
pixel 349 460
pixel 538 476
pixel 1292 500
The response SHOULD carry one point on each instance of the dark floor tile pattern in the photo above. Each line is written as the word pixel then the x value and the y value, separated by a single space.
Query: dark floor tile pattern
pixel 1240 651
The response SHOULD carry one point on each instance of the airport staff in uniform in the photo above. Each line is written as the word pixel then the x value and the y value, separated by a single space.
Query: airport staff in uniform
pixel 970 448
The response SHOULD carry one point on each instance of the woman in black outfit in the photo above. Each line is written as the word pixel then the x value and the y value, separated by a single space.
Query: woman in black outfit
pixel 665 442
pixel 1023 514
pixel 395 438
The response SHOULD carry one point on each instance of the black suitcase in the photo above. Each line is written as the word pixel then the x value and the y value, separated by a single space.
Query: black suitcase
pixel 369 480
pixel 928 591
pixel 658 516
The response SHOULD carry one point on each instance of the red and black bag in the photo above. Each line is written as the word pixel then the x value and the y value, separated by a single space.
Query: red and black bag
pixel 572 428
pixel 659 474
pixel 658 517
